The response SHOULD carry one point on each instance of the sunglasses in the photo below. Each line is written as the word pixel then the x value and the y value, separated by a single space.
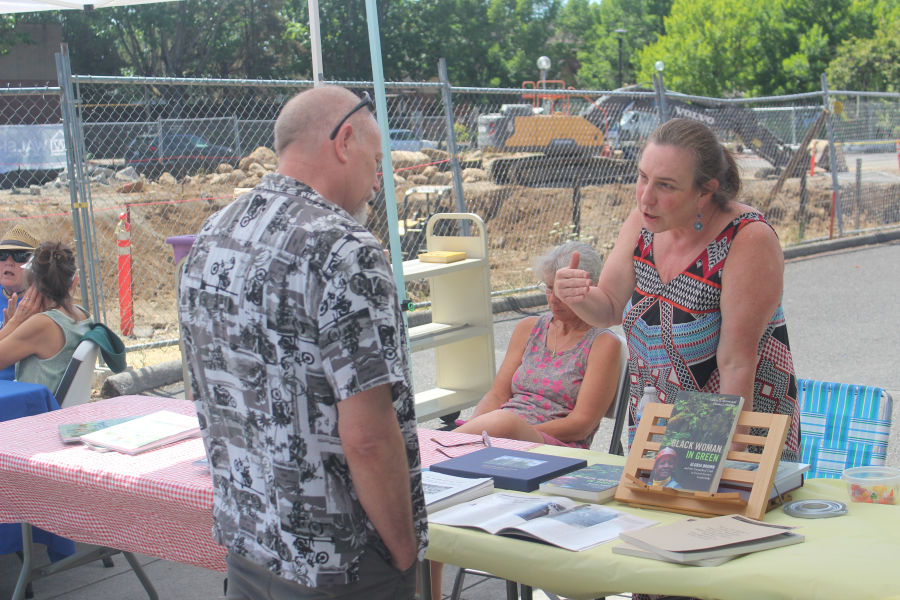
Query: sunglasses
pixel 19 256
pixel 366 101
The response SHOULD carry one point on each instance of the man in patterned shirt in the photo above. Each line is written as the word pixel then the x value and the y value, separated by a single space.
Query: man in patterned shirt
pixel 294 339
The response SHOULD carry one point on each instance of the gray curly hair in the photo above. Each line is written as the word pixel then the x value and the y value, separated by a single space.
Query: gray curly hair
pixel 589 260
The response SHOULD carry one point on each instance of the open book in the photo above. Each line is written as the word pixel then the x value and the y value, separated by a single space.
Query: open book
pixel 555 520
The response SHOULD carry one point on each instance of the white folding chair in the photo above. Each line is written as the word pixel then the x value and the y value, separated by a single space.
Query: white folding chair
pixel 616 411
pixel 75 387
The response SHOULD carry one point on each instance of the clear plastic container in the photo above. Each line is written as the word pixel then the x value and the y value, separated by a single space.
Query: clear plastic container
pixel 873 485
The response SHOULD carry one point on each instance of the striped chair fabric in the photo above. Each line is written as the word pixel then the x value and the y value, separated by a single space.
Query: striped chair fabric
pixel 842 426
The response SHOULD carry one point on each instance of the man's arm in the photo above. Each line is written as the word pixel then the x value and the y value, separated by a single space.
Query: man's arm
pixel 376 455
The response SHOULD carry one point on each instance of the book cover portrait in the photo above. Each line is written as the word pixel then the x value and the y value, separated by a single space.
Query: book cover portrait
pixel 696 441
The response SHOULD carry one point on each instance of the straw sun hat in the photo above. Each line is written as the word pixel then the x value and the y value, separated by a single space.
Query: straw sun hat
pixel 19 238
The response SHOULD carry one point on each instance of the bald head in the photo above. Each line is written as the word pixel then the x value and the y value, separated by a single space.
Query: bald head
pixel 310 116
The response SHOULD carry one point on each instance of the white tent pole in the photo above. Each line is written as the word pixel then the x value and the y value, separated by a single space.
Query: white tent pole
pixel 387 165
pixel 315 39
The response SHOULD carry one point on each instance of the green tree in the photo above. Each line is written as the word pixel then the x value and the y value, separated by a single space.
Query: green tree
pixel 644 22
pixel 868 64
pixel 710 47
pixel 745 47
pixel 9 37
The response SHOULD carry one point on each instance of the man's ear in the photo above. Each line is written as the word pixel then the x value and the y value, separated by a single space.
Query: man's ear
pixel 342 142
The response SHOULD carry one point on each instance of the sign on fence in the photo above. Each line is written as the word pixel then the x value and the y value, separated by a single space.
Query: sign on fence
pixel 32 148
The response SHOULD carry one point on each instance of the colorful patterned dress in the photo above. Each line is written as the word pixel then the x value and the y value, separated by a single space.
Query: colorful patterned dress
pixel 546 384
pixel 673 334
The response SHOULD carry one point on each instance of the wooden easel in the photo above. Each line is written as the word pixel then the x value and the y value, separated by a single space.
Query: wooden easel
pixel 632 490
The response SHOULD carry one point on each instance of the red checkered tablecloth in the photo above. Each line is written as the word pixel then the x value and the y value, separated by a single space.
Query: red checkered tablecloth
pixel 155 503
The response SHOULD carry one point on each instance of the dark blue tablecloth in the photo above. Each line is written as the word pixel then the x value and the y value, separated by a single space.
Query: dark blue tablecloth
pixel 19 400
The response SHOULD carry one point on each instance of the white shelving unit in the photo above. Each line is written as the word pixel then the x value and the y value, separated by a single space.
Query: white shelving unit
pixel 462 327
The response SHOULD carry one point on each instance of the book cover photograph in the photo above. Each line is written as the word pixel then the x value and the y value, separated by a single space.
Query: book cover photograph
pixel 697 439
pixel 510 469
pixel 72 432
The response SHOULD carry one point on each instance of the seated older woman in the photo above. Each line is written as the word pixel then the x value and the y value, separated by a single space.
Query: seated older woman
pixel 559 375
pixel 558 378
pixel 41 334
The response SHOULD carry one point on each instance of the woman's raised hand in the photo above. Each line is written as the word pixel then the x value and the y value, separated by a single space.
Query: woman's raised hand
pixel 571 284
pixel 19 312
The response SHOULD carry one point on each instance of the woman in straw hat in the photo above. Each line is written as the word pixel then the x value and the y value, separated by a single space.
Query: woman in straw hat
pixel 16 249
pixel 41 334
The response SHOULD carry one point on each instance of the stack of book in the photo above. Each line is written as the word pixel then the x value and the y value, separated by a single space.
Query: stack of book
pixel 443 491
pixel 706 542
pixel 143 433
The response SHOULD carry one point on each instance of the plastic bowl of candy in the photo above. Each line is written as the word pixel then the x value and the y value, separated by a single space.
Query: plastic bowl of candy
pixel 873 485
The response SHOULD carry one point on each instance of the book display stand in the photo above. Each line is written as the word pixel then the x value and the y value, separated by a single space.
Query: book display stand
pixel 632 490
pixel 462 327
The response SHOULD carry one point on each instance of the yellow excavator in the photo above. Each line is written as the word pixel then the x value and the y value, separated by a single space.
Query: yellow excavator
pixel 557 139
pixel 560 139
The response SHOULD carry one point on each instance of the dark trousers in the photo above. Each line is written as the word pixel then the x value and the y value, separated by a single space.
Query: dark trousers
pixel 378 580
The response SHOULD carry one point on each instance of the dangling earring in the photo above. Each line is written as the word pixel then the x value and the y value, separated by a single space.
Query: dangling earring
pixel 698 226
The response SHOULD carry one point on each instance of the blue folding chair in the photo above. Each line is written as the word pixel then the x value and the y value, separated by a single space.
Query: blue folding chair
pixel 842 426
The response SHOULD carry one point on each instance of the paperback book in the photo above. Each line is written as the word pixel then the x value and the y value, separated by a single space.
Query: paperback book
pixel 697 439
pixel 596 483
pixel 554 520
pixel 443 491
pixel 72 432
pixel 144 433
pixel 510 469
pixel 700 539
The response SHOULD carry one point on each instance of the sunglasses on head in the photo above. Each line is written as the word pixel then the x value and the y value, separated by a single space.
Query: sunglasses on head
pixel 366 101
pixel 19 256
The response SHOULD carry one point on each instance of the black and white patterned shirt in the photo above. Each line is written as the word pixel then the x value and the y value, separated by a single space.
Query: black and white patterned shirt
pixel 289 306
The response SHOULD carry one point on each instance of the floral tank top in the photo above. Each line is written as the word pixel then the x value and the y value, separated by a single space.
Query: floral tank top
pixel 673 334
pixel 545 386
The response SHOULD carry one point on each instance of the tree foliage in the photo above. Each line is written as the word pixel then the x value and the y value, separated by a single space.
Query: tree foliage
pixel 709 47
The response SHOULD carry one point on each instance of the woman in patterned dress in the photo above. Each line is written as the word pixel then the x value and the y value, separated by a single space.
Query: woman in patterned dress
pixel 696 280
pixel 559 375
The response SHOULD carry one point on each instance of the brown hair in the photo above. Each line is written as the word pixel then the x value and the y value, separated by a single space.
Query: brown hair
pixel 53 272
pixel 709 158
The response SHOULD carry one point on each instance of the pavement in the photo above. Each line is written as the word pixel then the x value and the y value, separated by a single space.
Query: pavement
pixel 842 313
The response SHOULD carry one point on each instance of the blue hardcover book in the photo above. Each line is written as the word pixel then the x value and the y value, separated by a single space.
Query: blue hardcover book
pixel 510 469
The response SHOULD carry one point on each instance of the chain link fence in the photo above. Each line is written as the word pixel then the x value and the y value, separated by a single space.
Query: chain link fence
pixel 541 165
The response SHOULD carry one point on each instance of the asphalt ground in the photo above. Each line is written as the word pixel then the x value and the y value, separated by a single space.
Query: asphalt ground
pixel 842 314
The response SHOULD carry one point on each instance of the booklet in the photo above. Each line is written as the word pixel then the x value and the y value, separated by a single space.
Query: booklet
pixel 144 433
pixel 697 539
pixel 596 483
pixel 72 432
pixel 443 491
pixel 554 520
pixel 697 438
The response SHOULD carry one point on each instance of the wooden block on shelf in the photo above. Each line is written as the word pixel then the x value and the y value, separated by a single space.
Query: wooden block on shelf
pixel 442 256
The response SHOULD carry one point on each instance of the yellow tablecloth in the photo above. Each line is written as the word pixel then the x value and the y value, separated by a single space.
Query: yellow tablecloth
pixel 854 557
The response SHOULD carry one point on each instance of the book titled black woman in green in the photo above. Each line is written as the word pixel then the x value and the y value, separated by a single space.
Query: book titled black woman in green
pixel 510 469
pixel 697 439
